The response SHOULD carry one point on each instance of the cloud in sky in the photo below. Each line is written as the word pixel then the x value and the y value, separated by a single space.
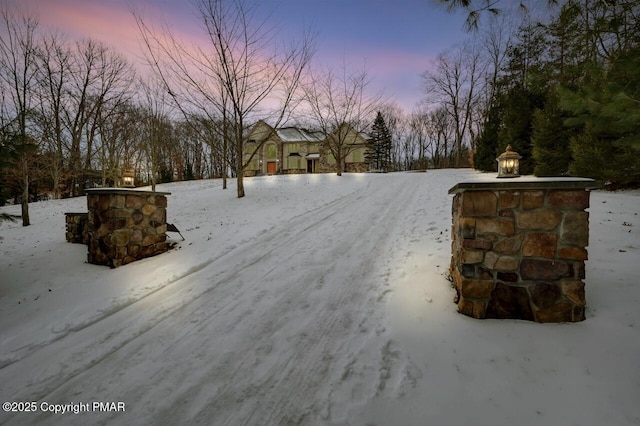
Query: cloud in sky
pixel 396 39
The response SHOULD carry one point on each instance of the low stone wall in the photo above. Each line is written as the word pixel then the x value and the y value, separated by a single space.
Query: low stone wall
pixel 76 226
pixel 518 249
pixel 125 225
pixel 356 167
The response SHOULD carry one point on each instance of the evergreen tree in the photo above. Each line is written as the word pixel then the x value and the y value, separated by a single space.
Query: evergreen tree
pixel 519 106
pixel 550 139
pixel 378 152
pixel 484 158
pixel 606 113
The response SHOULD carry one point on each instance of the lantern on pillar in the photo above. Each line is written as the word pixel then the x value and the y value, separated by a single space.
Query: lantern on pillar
pixel 509 164
pixel 128 179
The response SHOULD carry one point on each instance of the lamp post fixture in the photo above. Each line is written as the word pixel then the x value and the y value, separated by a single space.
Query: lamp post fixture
pixel 128 179
pixel 509 164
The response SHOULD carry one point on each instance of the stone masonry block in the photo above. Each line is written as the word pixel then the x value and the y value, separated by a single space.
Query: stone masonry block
pixel 117 201
pixel 148 209
pixel 159 215
pixel 150 240
pixel 104 202
pixel 545 219
pixel 575 228
pixel 532 199
pixel 161 201
pixel 455 206
pixel 540 244
pixel 572 253
pixel 134 201
pixel 467 227
pixel 475 309
pixel 477 244
pixel 574 291
pixel 542 270
pixel 500 263
pixel 544 295
pixel 508 199
pixel 510 245
pixel 560 312
pixel 476 289
pixel 479 203
pixel 501 226
pixel 471 256
pixel 578 200
pixel 509 277
pixel 509 302
pixel 120 237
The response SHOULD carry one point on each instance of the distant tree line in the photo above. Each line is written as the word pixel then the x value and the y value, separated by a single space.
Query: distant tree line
pixel 75 114
pixel 562 91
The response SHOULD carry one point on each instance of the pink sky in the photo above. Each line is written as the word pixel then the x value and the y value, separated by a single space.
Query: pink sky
pixel 396 39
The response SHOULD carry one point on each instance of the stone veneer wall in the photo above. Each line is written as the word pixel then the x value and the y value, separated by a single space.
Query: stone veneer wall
pixel 76 226
pixel 125 225
pixel 520 253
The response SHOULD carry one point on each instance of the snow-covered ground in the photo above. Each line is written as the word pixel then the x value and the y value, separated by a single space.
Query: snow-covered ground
pixel 314 300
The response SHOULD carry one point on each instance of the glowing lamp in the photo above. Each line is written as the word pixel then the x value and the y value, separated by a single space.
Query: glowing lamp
pixel 509 164
pixel 128 179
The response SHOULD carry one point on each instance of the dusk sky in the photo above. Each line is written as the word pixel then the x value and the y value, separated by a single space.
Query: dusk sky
pixel 397 40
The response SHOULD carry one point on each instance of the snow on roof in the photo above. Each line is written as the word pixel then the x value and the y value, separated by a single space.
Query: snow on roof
pixel 295 134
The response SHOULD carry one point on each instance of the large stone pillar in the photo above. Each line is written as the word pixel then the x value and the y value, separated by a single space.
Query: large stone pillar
pixel 125 225
pixel 519 248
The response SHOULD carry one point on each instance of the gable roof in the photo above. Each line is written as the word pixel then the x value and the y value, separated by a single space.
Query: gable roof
pixel 295 134
pixel 262 130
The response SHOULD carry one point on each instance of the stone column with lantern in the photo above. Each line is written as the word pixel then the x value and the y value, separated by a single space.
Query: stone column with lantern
pixel 519 246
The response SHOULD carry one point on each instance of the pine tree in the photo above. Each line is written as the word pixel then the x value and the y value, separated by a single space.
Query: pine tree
pixel 605 111
pixel 378 152
pixel 550 139
pixel 484 158
pixel 519 106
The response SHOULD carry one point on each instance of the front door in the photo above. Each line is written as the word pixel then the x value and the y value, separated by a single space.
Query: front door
pixel 309 166
pixel 271 167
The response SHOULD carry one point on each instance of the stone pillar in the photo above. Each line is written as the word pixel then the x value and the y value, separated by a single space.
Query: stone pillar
pixel 519 247
pixel 76 226
pixel 125 225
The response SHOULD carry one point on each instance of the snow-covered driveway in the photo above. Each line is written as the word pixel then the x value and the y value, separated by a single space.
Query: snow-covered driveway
pixel 265 333
pixel 314 300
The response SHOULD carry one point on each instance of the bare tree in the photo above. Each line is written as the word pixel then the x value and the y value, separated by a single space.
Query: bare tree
pixel 454 84
pixel 440 129
pixel 341 108
pixel 154 123
pixel 18 74
pixel 232 78
pixel 54 62
pixel 100 79
pixel 116 129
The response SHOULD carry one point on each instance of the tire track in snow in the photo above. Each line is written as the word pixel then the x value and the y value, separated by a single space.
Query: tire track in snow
pixel 283 387
pixel 87 349
pixel 295 378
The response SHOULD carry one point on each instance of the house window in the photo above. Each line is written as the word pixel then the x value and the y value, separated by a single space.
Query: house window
pixel 294 148
pixel 294 162
pixel 253 164
pixel 357 156
pixel 314 148
pixel 271 151
pixel 331 159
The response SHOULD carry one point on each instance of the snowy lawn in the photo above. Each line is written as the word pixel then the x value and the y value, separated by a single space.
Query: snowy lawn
pixel 314 300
